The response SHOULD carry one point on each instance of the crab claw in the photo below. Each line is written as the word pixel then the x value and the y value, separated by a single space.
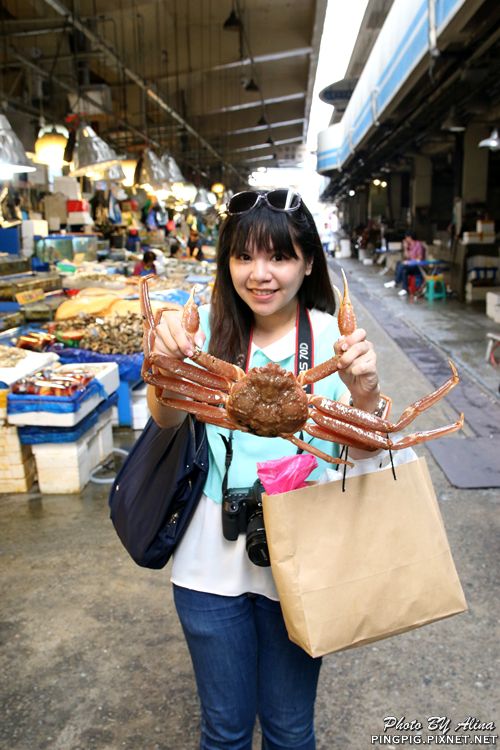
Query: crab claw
pixel 190 315
pixel 346 317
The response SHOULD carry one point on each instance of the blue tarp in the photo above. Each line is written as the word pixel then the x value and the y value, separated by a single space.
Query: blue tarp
pixel 129 365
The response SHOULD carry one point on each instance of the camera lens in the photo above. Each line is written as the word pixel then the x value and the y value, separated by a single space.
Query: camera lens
pixel 256 542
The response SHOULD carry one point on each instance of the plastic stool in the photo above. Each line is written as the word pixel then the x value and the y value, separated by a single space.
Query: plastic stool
pixel 435 287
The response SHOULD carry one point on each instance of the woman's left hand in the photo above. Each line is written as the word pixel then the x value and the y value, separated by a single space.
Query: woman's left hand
pixel 357 367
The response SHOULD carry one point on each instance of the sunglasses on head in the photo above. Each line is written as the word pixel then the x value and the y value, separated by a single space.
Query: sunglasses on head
pixel 277 200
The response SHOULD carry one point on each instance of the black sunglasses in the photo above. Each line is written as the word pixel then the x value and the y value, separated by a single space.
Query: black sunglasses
pixel 277 200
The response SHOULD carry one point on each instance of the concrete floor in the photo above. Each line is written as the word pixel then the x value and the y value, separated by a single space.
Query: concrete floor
pixel 92 653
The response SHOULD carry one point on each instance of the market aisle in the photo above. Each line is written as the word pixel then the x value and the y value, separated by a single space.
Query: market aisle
pixel 93 655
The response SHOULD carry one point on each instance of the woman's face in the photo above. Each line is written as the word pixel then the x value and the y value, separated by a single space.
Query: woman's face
pixel 267 281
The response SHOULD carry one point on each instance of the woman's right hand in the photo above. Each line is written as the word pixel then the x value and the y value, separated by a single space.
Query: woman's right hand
pixel 171 338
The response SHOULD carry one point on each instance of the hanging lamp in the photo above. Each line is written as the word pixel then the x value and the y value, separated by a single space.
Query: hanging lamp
pixel 493 142
pixel 150 172
pixel 201 200
pixel 251 85
pixel 92 156
pixel 218 188
pixel 51 145
pixel 232 22
pixel 13 159
pixel 128 166
pixel 172 168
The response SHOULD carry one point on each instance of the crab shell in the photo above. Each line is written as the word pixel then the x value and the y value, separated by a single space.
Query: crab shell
pixel 268 401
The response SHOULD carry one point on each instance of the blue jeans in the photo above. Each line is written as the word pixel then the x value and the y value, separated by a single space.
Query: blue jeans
pixel 245 665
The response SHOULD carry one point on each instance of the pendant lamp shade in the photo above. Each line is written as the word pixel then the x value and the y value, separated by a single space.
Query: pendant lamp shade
pixel 172 168
pixel 128 167
pixel 218 188
pixel 493 142
pixel 251 85
pixel 92 156
pixel 232 22
pixel 50 146
pixel 201 200
pixel 115 173
pixel 13 159
pixel 150 172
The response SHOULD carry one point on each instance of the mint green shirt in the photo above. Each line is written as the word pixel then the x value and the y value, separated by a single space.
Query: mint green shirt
pixel 249 449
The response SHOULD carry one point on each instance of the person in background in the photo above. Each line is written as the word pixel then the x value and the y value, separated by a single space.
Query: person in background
pixel 133 242
pixel 326 237
pixel 145 266
pixel 413 252
pixel 195 245
pixel 270 264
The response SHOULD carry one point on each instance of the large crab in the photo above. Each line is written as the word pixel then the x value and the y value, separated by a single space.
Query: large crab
pixel 270 401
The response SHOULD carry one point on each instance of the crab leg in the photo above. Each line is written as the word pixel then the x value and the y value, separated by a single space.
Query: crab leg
pixel 203 412
pixel 191 324
pixel 186 370
pixel 149 318
pixel 362 418
pixel 315 451
pixel 350 434
pixel 185 388
pixel 347 324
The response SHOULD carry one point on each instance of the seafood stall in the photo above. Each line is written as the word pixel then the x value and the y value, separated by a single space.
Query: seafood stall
pixel 68 377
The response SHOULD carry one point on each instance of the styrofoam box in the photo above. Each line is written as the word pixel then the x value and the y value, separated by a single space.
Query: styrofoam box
pixel 17 464
pixel 32 227
pixel 471 238
pixel 493 306
pixel 140 410
pixel 66 467
pixel 108 375
pixel 478 293
pixel 31 363
pixel 485 227
pixel 80 217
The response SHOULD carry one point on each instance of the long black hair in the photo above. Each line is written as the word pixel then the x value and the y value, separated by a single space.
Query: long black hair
pixel 231 318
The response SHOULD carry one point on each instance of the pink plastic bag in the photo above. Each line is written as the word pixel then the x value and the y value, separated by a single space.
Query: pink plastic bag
pixel 284 474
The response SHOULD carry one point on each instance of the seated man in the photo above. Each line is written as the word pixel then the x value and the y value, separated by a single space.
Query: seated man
pixel 413 251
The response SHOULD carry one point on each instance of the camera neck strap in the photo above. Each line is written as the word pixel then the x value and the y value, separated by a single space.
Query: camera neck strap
pixel 304 359
pixel 304 343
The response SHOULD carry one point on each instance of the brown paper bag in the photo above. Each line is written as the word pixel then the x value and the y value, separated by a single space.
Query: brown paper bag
pixel 356 566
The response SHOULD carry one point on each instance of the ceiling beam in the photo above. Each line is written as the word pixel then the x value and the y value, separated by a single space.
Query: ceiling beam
pixel 74 90
pixel 256 128
pixel 150 91
pixel 259 102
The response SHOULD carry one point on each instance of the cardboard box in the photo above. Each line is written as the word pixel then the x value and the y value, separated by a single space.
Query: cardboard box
pixel 485 227
pixel 471 238
pixel 69 186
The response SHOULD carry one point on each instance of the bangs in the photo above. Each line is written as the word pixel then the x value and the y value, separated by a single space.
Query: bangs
pixel 263 229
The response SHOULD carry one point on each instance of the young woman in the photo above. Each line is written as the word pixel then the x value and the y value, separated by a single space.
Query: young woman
pixel 270 262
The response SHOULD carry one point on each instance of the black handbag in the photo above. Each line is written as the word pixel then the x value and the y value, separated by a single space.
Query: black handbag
pixel 156 491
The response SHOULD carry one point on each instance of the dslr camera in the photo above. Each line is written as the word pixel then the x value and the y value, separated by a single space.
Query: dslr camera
pixel 242 513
